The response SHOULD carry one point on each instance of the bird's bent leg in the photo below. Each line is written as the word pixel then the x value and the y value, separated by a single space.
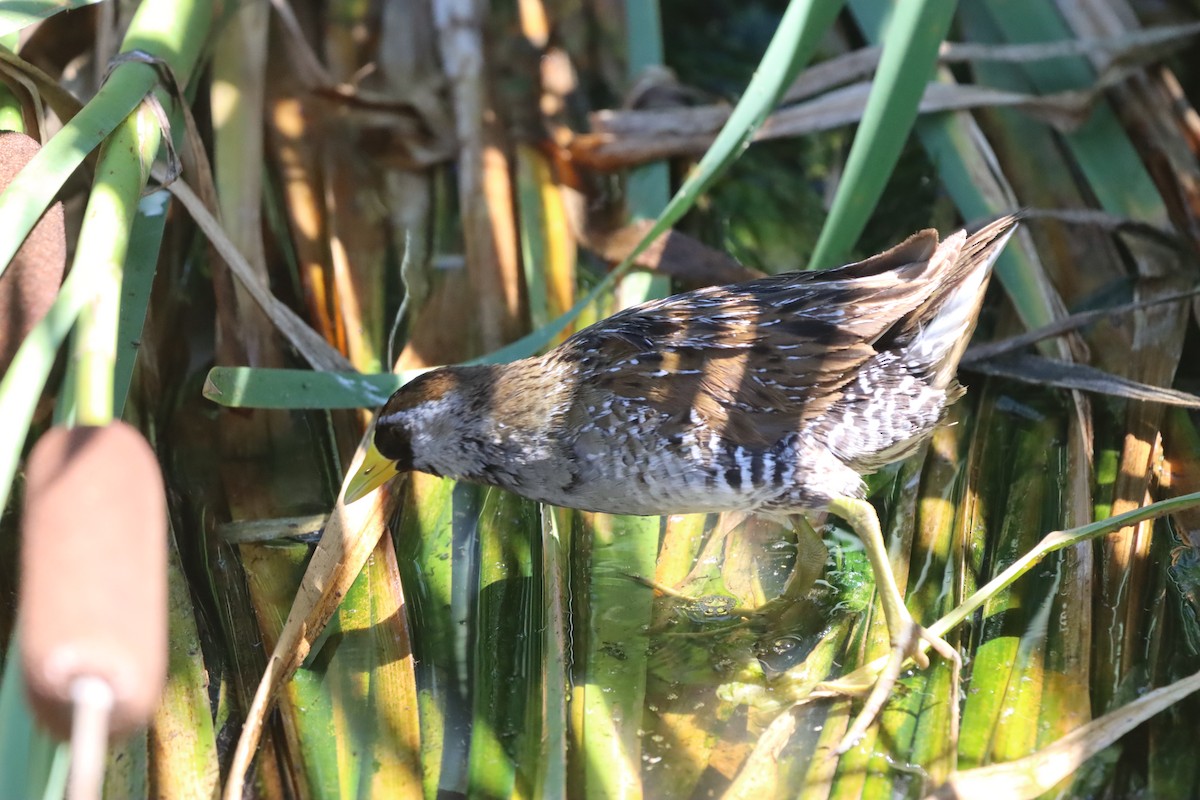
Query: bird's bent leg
pixel 903 630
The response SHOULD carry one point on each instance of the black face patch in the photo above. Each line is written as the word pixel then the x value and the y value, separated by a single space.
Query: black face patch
pixel 393 442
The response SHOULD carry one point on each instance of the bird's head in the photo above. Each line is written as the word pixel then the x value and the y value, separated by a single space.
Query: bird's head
pixel 424 426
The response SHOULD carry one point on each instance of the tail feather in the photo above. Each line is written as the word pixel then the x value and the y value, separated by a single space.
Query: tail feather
pixel 935 335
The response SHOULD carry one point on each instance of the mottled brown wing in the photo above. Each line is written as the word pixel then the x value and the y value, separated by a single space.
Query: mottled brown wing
pixel 755 360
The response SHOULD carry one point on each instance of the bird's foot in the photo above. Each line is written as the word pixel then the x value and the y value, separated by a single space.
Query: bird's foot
pixel 906 644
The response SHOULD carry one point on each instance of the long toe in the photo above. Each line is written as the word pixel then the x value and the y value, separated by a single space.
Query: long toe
pixel 938 645
pixel 906 644
pixel 877 699
pixel 910 644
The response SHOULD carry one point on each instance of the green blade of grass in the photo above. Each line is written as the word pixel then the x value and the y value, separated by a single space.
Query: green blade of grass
pixel 531 218
pixel 183 736
pixel 1020 474
pixel 424 541
pixel 505 641
pixel 145 240
pixel 102 250
pixel 251 387
pixel 312 734
pixel 27 755
pixel 914 33
pixel 648 188
pixel 615 683
pixel 10 108
pixel 352 706
pixel 16 16
pixel 22 383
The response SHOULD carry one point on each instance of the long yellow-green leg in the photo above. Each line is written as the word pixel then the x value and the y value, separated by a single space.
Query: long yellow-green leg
pixel 903 630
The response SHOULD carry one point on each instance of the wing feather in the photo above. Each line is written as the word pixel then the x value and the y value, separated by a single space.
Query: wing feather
pixel 755 360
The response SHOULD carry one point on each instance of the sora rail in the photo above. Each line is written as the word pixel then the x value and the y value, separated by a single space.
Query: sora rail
pixel 774 396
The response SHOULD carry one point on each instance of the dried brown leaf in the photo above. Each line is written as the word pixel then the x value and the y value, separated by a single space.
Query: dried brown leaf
pixel 1041 371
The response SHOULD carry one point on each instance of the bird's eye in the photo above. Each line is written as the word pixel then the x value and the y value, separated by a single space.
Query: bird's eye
pixel 393 442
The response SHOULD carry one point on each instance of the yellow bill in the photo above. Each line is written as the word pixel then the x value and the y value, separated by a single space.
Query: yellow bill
pixel 375 470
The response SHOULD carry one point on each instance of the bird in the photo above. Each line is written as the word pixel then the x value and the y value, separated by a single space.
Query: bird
pixel 774 396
